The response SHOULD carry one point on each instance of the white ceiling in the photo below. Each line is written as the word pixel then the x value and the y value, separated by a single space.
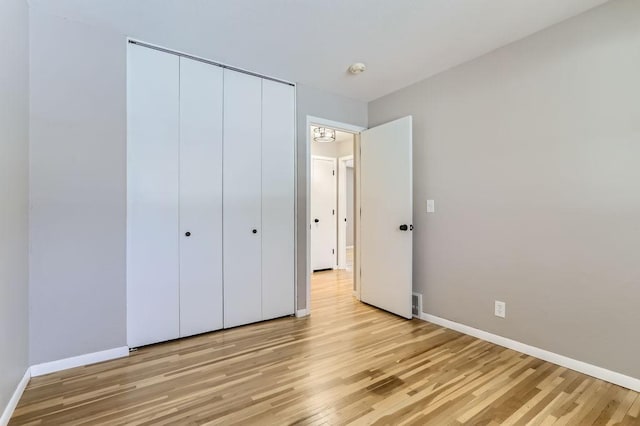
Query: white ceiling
pixel 314 41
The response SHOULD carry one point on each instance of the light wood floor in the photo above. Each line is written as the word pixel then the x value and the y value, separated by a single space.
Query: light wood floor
pixel 347 363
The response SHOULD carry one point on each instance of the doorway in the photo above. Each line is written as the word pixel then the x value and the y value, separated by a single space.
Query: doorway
pixel 381 274
pixel 332 194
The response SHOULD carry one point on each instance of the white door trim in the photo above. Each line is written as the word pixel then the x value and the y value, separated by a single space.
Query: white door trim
pixel 317 121
pixel 342 210
pixel 356 218
pixel 323 122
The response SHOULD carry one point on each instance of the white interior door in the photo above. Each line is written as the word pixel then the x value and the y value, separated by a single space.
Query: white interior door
pixel 200 197
pixel 152 196
pixel 242 228
pixel 278 191
pixel 324 230
pixel 386 216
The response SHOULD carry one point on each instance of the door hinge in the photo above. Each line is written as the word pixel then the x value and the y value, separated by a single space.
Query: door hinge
pixel 334 172
pixel 333 251
pixel 333 212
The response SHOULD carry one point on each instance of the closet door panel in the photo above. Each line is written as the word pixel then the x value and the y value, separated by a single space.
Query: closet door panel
pixel 241 204
pixel 278 144
pixel 152 196
pixel 200 197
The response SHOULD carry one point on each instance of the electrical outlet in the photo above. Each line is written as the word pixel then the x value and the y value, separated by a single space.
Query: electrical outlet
pixel 500 309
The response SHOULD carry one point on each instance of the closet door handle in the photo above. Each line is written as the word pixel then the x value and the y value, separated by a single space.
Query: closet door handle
pixel 316 220
pixel 255 231
pixel 187 234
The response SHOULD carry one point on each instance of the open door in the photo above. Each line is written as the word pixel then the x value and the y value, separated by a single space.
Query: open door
pixel 386 203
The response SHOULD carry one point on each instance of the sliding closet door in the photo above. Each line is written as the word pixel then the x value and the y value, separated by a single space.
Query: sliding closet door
pixel 241 204
pixel 200 197
pixel 152 196
pixel 278 178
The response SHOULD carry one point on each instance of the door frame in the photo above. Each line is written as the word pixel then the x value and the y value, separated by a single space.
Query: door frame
pixel 334 161
pixel 342 207
pixel 323 122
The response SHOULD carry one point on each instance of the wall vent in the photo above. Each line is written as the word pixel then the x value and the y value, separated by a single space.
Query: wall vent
pixel 416 304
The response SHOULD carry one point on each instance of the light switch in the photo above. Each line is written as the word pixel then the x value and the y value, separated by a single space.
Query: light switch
pixel 431 206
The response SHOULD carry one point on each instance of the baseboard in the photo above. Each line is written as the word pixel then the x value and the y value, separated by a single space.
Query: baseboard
pixel 78 361
pixel 302 313
pixel 15 398
pixel 561 360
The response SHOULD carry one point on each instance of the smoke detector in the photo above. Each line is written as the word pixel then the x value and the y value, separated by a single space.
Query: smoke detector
pixel 357 68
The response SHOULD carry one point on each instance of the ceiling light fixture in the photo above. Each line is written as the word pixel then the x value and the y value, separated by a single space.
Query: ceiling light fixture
pixel 321 134
pixel 357 68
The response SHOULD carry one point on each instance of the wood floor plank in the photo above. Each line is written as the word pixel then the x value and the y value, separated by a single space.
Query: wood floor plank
pixel 348 363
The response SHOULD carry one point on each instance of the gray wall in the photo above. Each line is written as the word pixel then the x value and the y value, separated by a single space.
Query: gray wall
pixel 316 103
pixel 78 183
pixel 14 191
pixel 532 155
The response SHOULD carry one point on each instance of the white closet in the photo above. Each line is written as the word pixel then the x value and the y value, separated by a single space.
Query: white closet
pixel 210 196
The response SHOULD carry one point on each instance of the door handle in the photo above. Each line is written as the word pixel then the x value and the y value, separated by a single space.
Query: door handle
pixel 404 227
pixel 187 234
pixel 410 227
pixel 316 220
pixel 255 231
